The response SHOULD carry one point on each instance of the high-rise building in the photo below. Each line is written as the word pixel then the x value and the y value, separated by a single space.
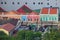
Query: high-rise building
pixel 9 5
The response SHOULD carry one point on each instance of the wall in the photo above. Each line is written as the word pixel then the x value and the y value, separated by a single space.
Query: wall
pixel 24 18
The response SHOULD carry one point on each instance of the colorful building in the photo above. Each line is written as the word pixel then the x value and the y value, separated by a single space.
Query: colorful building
pixel 33 16
pixel 49 14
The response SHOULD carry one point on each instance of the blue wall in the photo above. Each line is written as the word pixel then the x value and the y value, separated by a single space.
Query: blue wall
pixel 24 18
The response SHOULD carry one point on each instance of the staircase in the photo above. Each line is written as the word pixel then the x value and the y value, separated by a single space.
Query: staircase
pixel 18 24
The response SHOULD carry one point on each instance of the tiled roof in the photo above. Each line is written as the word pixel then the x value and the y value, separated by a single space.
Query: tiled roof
pixel 44 11
pixel 49 10
pixel 53 10
pixel 9 27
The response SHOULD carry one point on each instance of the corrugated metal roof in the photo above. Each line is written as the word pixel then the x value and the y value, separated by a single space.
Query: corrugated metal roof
pixel 9 27
pixel 24 9
pixel 2 10
pixel 21 11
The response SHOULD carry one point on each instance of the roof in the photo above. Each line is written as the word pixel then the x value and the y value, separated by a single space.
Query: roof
pixel 9 27
pixel 37 10
pixel 13 13
pixel 13 21
pixel 52 10
pixel 2 10
pixel 24 9
pixel 21 11
pixel 44 10
pixel 33 13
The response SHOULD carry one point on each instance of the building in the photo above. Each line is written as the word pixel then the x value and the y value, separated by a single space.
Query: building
pixel 49 17
pixel 7 28
pixel 49 14
pixel 33 17
pixel 10 14
pixel 9 5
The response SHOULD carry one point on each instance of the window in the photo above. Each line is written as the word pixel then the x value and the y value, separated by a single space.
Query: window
pixel 55 18
pixel 12 2
pixel 41 19
pixel 41 2
pixel 56 0
pixel 26 3
pixel 37 19
pixel 56 3
pixel 31 19
pixel 38 2
pixel 1 2
pixel 28 19
pixel 47 3
pixel 5 3
pixel 50 18
pixel 46 19
pixel 34 19
pixel 23 19
pixel 34 3
pixel 18 3
pixel 47 0
pixel 50 6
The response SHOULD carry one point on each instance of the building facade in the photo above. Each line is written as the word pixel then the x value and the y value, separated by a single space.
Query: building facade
pixel 49 14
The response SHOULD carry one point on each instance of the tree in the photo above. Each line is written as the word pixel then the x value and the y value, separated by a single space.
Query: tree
pixel 53 35
pixel 21 35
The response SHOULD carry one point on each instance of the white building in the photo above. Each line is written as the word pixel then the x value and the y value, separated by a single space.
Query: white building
pixel 9 5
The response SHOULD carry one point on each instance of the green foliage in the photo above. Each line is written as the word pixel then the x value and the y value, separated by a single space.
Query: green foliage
pixel 2 34
pixel 28 35
pixel 53 35
pixel 31 35
pixel 21 35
